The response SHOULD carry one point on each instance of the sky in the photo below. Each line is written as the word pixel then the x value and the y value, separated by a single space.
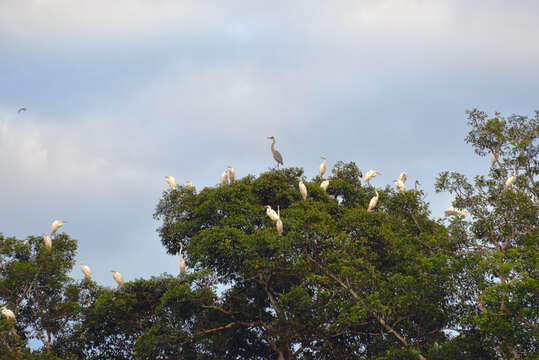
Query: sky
pixel 122 93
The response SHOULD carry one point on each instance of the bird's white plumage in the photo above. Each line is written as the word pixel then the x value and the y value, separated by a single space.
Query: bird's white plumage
pixel 322 168
pixel 189 184
pixel 454 211
pixel 47 241
pixel 182 261
pixel 402 177
pixel 171 181
pixel 302 189
pixel 118 277
pixel 373 202
pixel 399 184
pixel 231 174
pixel 86 270
pixel 271 213
pixel 370 174
pixel 8 314
pixel 56 224
pixel 324 185
pixel 279 226
pixel 224 178
pixel 511 180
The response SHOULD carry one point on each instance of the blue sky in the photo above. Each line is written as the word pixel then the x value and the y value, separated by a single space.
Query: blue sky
pixel 122 93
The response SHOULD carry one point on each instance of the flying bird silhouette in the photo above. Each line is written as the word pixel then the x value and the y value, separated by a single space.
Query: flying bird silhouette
pixel 21 110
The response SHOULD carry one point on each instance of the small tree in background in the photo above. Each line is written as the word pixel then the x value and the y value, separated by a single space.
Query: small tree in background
pixel 495 281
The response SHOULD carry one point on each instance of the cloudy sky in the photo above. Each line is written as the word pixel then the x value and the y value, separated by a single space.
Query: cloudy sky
pixel 121 93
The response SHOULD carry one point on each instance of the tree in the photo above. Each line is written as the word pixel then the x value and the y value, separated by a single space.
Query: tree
pixel 34 284
pixel 496 275
pixel 340 281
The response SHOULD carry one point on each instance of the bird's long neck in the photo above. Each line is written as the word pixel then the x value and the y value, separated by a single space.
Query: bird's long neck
pixel 272 144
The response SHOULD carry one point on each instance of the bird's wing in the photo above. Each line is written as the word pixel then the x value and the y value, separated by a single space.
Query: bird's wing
pixel 278 157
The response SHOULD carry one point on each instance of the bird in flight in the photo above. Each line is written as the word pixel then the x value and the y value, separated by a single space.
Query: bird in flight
pixel 21 110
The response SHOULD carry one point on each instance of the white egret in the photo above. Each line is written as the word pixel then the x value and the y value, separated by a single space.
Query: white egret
pixel 47 241
pixel 56 225
pixel 188 184
pixel 171 181
pixel 86 270
pixel 224 178
pixel 399 184
pixel 279 223
pixel 416 185
pixel 8 314
pixel 271 213
pixel 182 261
pixel 231 174
pixel 322 168
pixel 454 211
pixel 118 277
pixel 302 189
pixel 370 174
pixel 374 201
pixel 511 180
pixel 276 155
pixel 402 177
pixel 324 185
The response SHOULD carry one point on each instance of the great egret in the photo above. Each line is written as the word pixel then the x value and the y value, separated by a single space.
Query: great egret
pixel 171 181
pixel 276 155
pixel 374 201
pixel 189 184
pixel 182 261
pixel 370 174
pixel 8 314
pixel 271 213
pixel 399 184
pixel 511 180
pixel 118 277
pixel 56 225
pixel 454 211
pixel 324 185
pixel 416 185
pixel 322 168
pixel 302 189
pixel 402 177
pixel 231 174
pixel 21 110
pixel 279 223
pixel 224 178
pixel 47 241
pixel 86 270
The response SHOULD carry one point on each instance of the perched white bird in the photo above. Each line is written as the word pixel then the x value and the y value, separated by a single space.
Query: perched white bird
pixel 47 241
pixel 399 184
pixel 402 177
pixel 324 185
pixel 370 174
pixel 454 211
pixel 8 314
pixel 271 213
pixel 374 201
pixel 231 174
pixel 511 180
pixel 302 189
pixel 416 185
pixel 56 225
pixel 182 261
pixel 224 178
pixel 171 181
pixel 189 184
pixel 86 270
pixel 279 223
pixel 118 277
pixel 322 168
pixel 494 158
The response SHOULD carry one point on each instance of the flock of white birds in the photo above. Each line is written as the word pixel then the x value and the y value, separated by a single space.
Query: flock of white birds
pixel 229 176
